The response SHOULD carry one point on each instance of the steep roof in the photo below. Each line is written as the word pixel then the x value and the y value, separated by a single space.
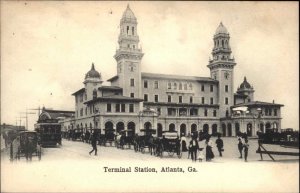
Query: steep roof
pixel 79 91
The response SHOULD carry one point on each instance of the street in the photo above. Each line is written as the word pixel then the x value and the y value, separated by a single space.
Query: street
pixel 70 168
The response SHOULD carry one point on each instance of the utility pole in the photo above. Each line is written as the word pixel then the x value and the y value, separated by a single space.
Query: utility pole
pixel 27 113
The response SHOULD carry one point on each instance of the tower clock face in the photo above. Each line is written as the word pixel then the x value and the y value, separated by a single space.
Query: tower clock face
pixel 132 67
pixel 226 75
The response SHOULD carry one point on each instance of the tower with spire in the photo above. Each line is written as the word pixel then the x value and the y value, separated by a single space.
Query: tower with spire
pixel 246 90
pixel 129 56
pixel 222 69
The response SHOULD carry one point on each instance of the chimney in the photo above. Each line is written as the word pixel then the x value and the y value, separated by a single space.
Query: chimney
pixel 273 101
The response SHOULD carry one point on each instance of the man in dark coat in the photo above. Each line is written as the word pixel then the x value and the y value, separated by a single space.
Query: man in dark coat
pixel 94 143
pixel 193 148
pixel 240 147
pixel 220 145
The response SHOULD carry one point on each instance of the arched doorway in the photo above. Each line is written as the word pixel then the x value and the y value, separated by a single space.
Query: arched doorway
pixel 268 127
pixel 229 128
pixel 237 128
pixel 108 126
pixel 182 130
pixel 193 128
pixel 159 130
pixel 120 126
pixel 275 126
pixel 214 129
pixel 261 127
pixel 224 129
pixel 249 129
pixel 172 127
pixel 147 125
pixel 131 128
pixel 205 128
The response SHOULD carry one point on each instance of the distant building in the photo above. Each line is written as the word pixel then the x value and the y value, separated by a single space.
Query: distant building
pixel 136 100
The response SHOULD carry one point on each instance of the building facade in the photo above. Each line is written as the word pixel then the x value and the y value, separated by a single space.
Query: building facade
pixel 138 100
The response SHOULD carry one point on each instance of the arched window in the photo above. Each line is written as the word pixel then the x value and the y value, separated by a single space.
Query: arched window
pixel 94 94
pixel 169 85
pixel 127 30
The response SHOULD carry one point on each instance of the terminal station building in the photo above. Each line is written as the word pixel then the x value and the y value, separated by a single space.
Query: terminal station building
pixel 138 100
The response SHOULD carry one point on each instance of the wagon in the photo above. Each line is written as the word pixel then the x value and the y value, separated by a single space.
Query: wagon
pixel 145 141
pixel 170 143
pixel 26 145
pixel 125 138
pixel 107 137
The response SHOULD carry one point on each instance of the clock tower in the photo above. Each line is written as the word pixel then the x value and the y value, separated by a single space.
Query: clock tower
pixel 221 69
pixel 129 56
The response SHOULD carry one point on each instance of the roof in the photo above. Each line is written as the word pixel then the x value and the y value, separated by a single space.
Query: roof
pixel 114 98
pixel 245 84
pixel 109 88
pixel 54 114
pixel 93 73
pixel 179 77
pixel 113 78
pixel 256 104
pixel 221 29
pixel 79 91
pixel 128 14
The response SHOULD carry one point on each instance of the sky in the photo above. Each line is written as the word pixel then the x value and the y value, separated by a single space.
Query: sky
pixel 48 46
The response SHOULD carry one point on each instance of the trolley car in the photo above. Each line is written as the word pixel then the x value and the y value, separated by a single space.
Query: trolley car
pixel 49 133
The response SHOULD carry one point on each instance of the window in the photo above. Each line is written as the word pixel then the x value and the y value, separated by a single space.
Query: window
pixel 226 88
pixel 175 85
pixel 132 95
pixel 145 84
pixel 191 86
pixel 211 101
pixel 131 108
pixel 205 112
pixel 133 46
pixel 169 85
pixel 145 97
pixel 226 100
pixel 94 94
pixel 85 96
pixel 275 112
pixel 171 112
pixel 169 98
pixel 202 100
pixel 131 82
pixel 81 98
pixel 180 86
pixel 117 107
pixel 123 108
pixel 191 99
pixel 180 99
pixel 156 84
pixel 132 30
pixel 185 86
pixel 214 113
pixel 202 87
pixel 156 98
pixel 127 30
pixel 194 112
pixel 211 88
pixel 108 107
pixel 81 112
pixel 85 110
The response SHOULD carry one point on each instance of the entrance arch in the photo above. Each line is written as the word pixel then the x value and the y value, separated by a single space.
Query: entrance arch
pixel 108 126
pixel 214 129
pixel 268 127
pixel 120 126
pixel 229 128
pixel 182 130
pixel 147 125
pixel 131 128
pixel 172 127
pixel 205 128
pixel 159 130
pixel 237 128
pixel 224 129
pixel 193 128
pixel 249 129
pixel 261 127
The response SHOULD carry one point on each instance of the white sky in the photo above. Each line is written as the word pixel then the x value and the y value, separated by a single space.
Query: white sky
pixel 47 47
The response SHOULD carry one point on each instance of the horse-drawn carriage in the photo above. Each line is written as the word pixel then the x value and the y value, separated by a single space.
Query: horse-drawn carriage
pixel 125 138
pixel 76 134
pixel 107 137
pixel 26 145
pixel 169 143
pixel 145 141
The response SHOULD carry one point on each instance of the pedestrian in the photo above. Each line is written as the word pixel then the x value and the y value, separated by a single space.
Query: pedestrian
pixel 220 145
pixel 246 147
pixel 193 148
pixel 240 147
pixel 94 143
pixel 209 153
